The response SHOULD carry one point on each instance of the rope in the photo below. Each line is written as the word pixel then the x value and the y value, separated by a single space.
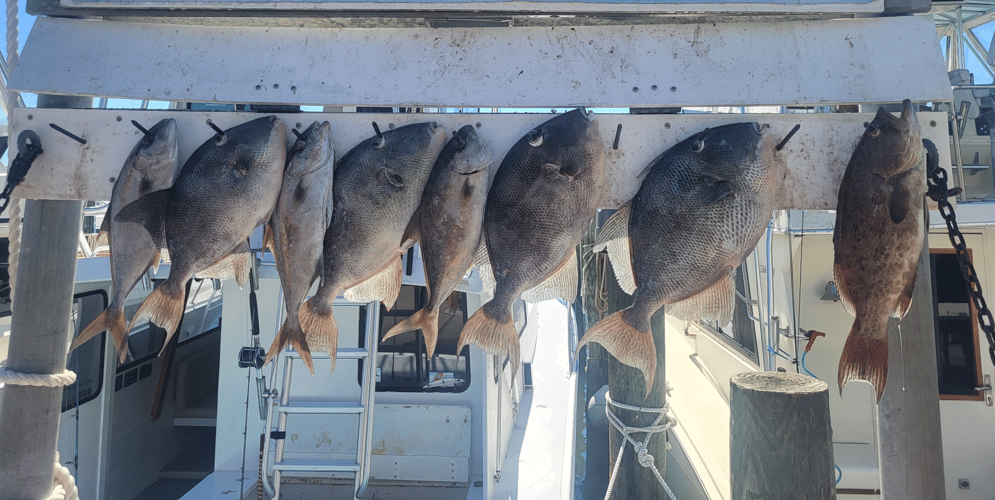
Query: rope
pixel 12 34
pixel 14 225
pixel 36 379
pixel 65 485
pixel 660 424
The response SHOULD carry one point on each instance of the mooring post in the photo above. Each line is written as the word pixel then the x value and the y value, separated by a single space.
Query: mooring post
pixel 626 385
pixel 780 439
pixel 39 338
pixel 910 445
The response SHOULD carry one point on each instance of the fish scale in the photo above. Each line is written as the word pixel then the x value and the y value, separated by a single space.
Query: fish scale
pixel 700 210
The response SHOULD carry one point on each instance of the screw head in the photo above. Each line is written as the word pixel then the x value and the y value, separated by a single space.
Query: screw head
pixel 673 89
pixel 298 125
pixel 391 126
pixel 666 125
pixel 293 88
pixel 259 87
pixel 276 85
pixel 113 179
pixel 635 89
pixel 31 117
pixel 932 123
pixel 478 125
pixel 119 118
pixel 654 87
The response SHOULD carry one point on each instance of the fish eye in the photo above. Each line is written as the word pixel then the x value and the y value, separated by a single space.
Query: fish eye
pixel 873 130
pixel 535 137
pixel 697 145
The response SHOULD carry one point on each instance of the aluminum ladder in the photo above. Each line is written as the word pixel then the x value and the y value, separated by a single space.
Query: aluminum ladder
pixel 360 467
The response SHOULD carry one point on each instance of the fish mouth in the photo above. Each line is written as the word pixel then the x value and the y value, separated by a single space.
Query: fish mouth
pixel 586 113
pixel 907 121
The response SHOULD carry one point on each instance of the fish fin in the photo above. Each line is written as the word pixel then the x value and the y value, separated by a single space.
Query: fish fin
pixel 864 357
pixel 269 241
pixel 491 335
pixel 616 227
pixel 843 291
pixel 561 284
pixel 423 319
pixel 111 320
pixel 626 342
pixel 236 265
pixel 293 336
pixel 714 188
pixel 412 233
pixel 164 308
pixel 388 176
pixel 103 234
pixel 320 331
pixel 898 205
pixel 621 257
pixel 482 262
pixel 715 303
pixel 383 286
pixel 905 300
pixel 149 211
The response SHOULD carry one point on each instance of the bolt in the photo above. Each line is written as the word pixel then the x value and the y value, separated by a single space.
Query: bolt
pixel 932 123
pixel 298 125
pixel 293 88
pixel 112 179
pixel 119 118
pixel 635 89
pixel 259 87
pixel 479 125
pixel 673 89
pixel 666 125
pixel 31 117
pixel 391 126
pixel 276 85
pixel 654 87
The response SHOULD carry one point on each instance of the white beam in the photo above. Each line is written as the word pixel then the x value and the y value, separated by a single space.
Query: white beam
pixel 816 156
pixel 714 64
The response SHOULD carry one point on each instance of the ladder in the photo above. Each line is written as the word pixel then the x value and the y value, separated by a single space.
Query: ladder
pixel 360 466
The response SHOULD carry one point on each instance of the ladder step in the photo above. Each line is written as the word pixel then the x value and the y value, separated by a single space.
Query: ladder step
pixel 316 465
pixel 321 407
pixel 352 353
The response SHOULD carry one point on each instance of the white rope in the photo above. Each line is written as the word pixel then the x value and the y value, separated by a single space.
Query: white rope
pixel 660 424
pixel 12 34
pixel 14 224
pixel 65 485
pixel 36 379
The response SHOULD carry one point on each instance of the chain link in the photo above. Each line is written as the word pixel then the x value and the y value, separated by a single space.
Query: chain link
pixel 939 193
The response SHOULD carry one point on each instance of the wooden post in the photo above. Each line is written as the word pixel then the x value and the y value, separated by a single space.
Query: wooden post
pixel 781 441
pixel 39 339
pixel 910 449
pixel 626 385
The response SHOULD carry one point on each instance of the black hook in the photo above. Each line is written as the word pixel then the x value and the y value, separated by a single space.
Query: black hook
pixel 140 127
pixel 299 135
pixel 618 132
pixel 67 133
pixel 377 130
pixel 215 127
pixel 787 137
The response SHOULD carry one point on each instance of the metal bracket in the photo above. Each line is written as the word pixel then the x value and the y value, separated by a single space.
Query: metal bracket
pixel 986 388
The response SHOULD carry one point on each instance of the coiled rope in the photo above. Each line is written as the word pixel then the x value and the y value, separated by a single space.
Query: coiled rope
pixel 660 424
pixel 65 485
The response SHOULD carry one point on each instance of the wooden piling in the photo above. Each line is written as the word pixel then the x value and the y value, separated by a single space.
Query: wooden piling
pixel 39 338
pixel 781 440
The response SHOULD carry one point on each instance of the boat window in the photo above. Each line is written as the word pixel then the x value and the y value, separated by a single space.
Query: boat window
pixel 88 359
pixel 954 323
pixel 4 278
pixel 402 364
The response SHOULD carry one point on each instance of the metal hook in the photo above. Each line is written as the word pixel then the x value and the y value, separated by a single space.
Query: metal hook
pixel 139 127
pixel 618 132
pixel 215 127
pixel 67 133
pixel 787 137
pixel 377 130
pixel 299 135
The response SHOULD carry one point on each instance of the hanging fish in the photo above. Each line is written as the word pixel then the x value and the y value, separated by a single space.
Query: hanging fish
pixel 227 188
pixel 877 239
pixel 544 195
pixel 296 230
pixel 151 166
pixel 702 207
pixel 451 220
pixel 378 186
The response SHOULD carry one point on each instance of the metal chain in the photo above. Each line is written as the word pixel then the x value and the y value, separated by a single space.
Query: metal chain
pixel 939 193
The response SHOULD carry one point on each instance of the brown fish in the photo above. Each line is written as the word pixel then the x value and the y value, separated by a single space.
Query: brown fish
pixel 451 220
pixel 378 186
pixel 544 195
pixel 227 188
pixel 702 207
pixel 297 229
pixel 151 166
pixel 877 239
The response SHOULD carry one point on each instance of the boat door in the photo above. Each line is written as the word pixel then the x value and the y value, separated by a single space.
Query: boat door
pixel 964 367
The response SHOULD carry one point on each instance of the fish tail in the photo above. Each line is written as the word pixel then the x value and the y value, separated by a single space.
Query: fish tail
pixel 111 319
pixel 626 342
pixel 164 307
pixel 492 335
pixel 293 336
pixel 425 320
pixel 320 331
pixel 865 357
